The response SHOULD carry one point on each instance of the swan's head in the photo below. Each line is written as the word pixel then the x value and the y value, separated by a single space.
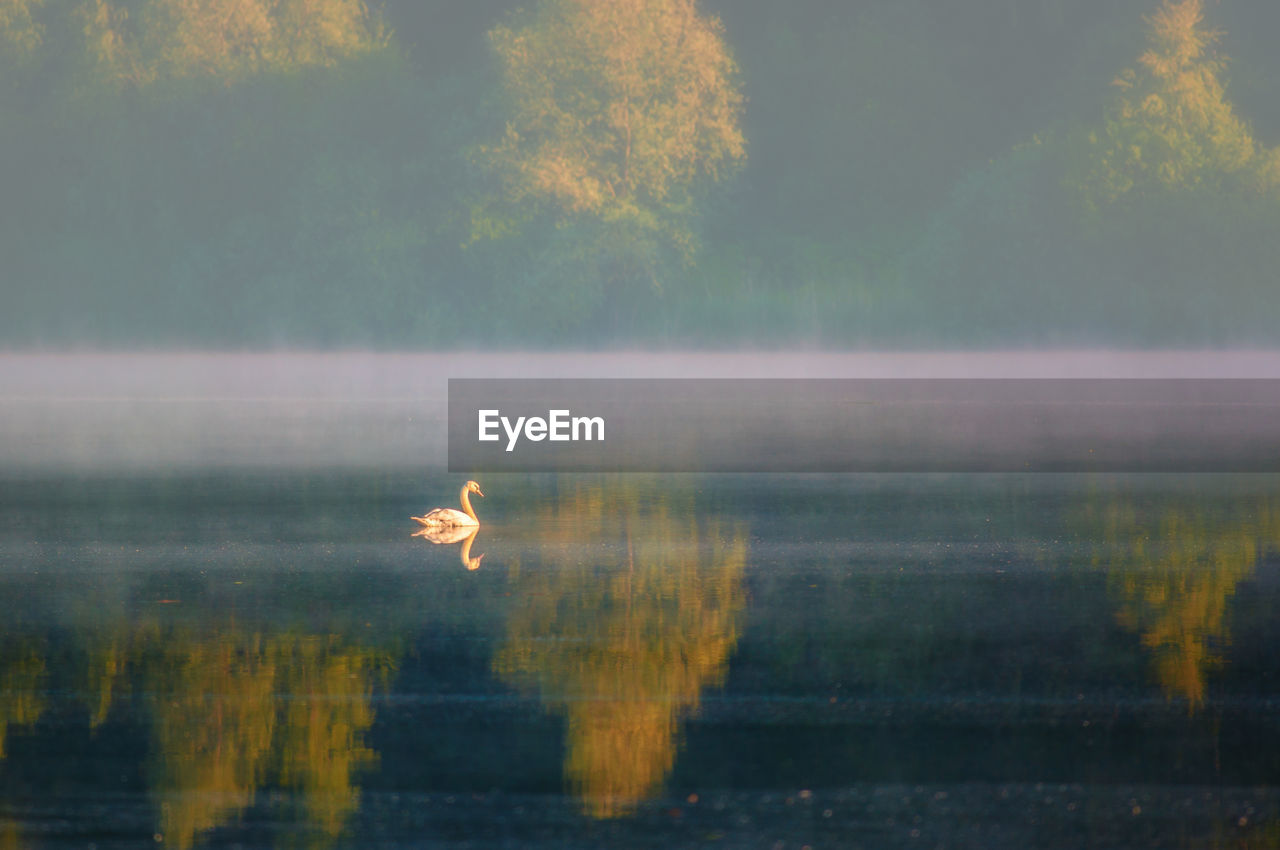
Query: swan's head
pixel 473 487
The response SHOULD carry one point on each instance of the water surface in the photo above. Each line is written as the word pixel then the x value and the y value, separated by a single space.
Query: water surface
pixel 220 630
pixel 231 659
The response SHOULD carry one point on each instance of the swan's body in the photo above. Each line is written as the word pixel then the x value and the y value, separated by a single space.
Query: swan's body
pixel 448 517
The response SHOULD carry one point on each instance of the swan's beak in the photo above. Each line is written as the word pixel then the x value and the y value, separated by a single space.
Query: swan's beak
pixel 478 493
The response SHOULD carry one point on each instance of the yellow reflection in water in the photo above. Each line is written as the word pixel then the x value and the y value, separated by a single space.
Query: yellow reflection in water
pixel 234 709
pixel 21 700
pixel 328 709
pixel 213 722
pixel 1173 579
pixel 623 644
pixel 103 676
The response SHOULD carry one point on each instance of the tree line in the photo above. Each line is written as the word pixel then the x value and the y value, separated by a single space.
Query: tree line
pixel 327 172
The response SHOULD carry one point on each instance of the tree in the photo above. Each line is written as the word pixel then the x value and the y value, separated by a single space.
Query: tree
pixel 20 33
pixel 152 40
pixel 616 111
pixel 1172 125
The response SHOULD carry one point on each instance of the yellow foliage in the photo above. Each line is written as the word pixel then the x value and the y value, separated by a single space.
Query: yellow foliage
pixel 19 31
pixel 1171 123
pixel 624 646
pixel 615 103
pixel 230 39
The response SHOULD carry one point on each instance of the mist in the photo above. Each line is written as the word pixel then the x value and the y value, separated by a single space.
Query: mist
pixel 119 413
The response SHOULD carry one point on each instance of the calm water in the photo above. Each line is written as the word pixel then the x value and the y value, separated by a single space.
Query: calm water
pixel 217 658
pixel 217 628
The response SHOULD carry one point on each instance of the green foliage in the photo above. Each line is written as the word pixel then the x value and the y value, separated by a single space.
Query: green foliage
pixel 1014 251
pixel 1002 250
pixel 617 113
pixel 260 214
pixel 844 125
pixel 281 172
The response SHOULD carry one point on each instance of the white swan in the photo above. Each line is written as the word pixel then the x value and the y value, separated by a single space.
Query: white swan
pixel 447 517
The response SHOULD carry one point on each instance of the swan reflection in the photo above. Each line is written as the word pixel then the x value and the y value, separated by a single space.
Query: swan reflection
pixel 453 534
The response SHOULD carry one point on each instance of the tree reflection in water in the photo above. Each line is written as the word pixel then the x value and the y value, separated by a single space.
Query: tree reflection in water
pixel 231 710
pixel 10 837
pixel 325 715
pixel 1173 577
pixel 624 644
pixel 22 672
pixel 212 726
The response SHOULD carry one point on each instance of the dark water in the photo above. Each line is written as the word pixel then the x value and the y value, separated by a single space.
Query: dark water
pixel 223 659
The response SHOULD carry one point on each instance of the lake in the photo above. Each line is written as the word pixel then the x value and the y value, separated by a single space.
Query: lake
pixel 221 629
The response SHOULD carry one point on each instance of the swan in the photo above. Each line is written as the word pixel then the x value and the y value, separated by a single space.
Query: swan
pixel 446 517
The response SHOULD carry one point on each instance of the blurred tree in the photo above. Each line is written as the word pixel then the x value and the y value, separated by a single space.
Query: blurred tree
pixel 1172 125
pixel 22 37
pixel 617 111
pixel 20 33
pixel 150 40
pixel 617 106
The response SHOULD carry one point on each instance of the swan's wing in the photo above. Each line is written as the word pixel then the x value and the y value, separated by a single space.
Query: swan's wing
pixel 433 517
pixel 444 516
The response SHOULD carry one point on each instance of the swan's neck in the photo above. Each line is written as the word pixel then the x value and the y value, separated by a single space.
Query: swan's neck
pixel 466 505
